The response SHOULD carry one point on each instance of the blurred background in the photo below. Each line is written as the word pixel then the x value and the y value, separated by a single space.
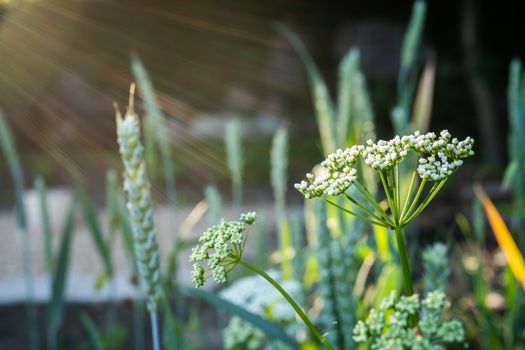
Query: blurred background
pixel 65 62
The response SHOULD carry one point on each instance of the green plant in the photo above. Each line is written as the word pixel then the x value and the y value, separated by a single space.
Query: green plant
pixel 438 158
pixel 233 141
pixel 220 251
pixel 140 209
pixel 389 327
pixel 7 143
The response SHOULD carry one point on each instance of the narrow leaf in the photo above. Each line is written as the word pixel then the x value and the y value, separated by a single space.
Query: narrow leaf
pixel 40 187
pixel 91 219
pixel 61 269
pixel 323 104
pixel 503 236
pixel 92 332
pixel 266 326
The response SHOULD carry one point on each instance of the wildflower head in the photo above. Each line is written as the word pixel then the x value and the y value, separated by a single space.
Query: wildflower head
pixel 221 248
pixel 439 156
pixel 337 174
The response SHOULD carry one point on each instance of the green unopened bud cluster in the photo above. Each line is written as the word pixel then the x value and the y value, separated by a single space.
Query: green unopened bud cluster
pixel 389 327
pixel 221 247
pixel 139 204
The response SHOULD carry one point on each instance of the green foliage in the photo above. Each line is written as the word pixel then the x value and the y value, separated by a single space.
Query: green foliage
pixel 436 272
pixel 40 187
pixel 234 154
pixel 390 326
pixel 155 129
pixel 265 326
pixel 90 328
pixel 214 200
pixel 408 71
pixel 56 304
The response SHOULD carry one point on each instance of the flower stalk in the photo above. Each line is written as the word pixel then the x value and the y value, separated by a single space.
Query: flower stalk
pixel 439 157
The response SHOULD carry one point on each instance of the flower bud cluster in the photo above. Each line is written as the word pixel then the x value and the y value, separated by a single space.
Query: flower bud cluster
pixel 337 175
pixel 389 326
pixel 218 244
pixel 439 156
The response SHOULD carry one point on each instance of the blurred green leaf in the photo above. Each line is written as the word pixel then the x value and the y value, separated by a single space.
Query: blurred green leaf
pixel 266 326
pixel 93 225
pixel 54 316
pixel 92 332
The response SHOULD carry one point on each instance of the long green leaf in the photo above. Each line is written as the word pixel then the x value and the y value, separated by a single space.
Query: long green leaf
pixel 8 146
pixel 93 225
pixel 323 104
pixel 157 133
pixel 264 325
pixel 54 317
pixel 93 335
pixel 234 154
pixel 40 187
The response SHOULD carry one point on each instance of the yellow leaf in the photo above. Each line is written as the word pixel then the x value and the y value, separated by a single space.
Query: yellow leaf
pixel 503 236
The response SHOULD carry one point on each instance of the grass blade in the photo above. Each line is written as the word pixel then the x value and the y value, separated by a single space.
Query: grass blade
pixel 155 123
pixel 93 335
pixel 54 316
pixel 266 326
pixel 424 97
pixel 503 236
pixel 8 146
pixel 323 104
pixel 214 200
pixel 93 225
pixel 233 141
pixel 40 187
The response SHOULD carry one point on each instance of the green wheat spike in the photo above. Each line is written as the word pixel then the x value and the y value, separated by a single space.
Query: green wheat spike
pixel 328 315
pixel 435 266
pixel 279 167
pixel 234 154
pixel 154 124
pixel 346 305
pixel 214 200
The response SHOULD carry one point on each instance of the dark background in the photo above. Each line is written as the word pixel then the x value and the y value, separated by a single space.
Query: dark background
pixel 62 63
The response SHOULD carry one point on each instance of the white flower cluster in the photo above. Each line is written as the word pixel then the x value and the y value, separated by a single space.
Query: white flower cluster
pixel 338 174
pixel 383 155
pixel 439 157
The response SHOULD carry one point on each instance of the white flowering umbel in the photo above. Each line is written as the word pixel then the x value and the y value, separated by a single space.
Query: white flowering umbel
pixel 220 249
pixel 437 159
pixel 388 328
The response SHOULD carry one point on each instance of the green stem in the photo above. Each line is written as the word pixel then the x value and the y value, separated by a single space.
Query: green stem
pixel 364 191
pixel 292 302
pixel 433 192
pixel 387 192
pixel 363 208
pixel 404 260
pixel 409 193
pixel 355 214
pixel 414 201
